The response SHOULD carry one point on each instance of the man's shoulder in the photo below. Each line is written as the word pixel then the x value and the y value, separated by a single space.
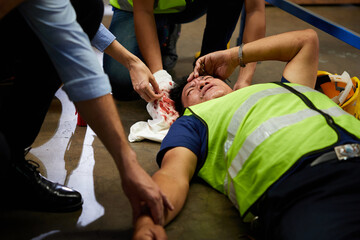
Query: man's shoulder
pixel 187 121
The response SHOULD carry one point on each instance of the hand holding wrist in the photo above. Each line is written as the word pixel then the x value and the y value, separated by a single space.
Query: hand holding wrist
pixel 143 220
pixel 145 227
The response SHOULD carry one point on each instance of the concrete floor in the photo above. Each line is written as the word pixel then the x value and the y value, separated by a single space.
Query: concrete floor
pixel 75 156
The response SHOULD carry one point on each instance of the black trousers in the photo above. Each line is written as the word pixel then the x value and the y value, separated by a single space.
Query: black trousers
pixel 315 203
pixel 221 20
pixel 28 79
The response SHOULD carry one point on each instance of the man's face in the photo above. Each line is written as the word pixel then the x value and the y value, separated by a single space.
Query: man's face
pixel 202 89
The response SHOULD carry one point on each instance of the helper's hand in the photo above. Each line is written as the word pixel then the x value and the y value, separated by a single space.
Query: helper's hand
pixel 141 189
pixel 145 229
pixel 141 77
pixel 220 64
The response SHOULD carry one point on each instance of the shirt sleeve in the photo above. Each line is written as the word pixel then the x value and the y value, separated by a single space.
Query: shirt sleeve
pixel 54 22
pixel 188 132
pixel 103 38
pixel 284 80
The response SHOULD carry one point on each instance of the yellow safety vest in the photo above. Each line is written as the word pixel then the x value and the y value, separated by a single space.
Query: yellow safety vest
pixel 160 6
pixel 257 133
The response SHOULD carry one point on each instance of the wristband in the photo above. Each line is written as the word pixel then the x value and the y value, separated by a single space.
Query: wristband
pixel 240 55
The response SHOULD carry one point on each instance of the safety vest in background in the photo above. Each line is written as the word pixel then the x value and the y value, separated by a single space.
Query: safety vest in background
pixel 257 133
pixel 160 6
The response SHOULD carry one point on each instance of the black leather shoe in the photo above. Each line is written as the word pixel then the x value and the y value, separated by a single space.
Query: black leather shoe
pixel 32 190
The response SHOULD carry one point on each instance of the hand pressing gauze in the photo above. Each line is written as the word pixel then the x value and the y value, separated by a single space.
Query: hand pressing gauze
pixel 161 111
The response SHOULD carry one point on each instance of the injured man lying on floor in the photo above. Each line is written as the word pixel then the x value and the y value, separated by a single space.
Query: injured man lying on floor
pixel 284 153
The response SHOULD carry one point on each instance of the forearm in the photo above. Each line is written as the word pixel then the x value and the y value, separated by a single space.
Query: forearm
pixel 255 25
pixel 175 189
pixel 146 34
pixel 102 116
pixel 281 47
pixel 173 178
pixel 245 76
pixel 300 49
pixel 255 28
pixel 121 54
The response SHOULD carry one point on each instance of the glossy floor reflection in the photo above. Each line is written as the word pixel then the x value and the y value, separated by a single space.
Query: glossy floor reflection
pixel 74 155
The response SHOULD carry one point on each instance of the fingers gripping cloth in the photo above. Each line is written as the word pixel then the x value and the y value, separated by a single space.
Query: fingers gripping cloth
pixel 161 111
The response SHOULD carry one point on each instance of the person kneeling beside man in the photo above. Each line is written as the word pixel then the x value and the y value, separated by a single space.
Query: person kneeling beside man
pixel 283 152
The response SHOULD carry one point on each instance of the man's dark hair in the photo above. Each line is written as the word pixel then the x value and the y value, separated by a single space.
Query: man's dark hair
pixel 176 92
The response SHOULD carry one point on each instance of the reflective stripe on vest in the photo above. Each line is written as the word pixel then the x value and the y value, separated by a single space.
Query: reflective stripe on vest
pixel 249 103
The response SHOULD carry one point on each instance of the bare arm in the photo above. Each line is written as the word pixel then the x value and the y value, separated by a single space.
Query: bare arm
pixel 299 48
pixel 176 171
pixel 254 29
pixel 146 34
pixel 7 5
pixel 139 72
pixel 102 116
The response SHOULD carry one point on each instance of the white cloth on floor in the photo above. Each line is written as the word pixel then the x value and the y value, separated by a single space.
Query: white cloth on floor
pixel 162 112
